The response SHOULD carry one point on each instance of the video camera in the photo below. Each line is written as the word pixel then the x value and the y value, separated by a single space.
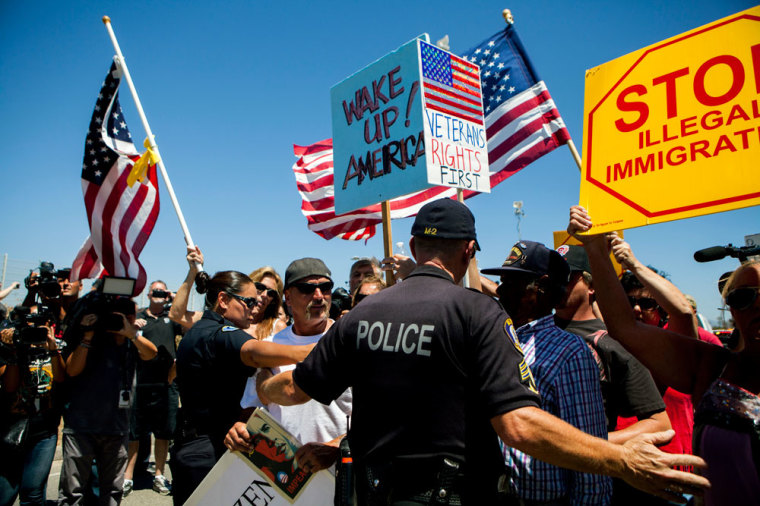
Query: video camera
pixel 46 282
pixel 113 295
pixel 29 332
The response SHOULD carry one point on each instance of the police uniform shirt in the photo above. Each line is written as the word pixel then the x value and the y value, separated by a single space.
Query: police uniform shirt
pixel 430 364
pixel 210 375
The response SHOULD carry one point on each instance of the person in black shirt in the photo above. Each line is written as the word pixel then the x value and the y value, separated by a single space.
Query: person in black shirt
pixel 156 396
pixel 214 360
pixel 437 373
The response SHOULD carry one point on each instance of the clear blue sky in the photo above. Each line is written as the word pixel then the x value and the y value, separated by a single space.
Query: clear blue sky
pixel 229 87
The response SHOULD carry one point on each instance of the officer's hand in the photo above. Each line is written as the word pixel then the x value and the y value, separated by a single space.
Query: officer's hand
pixel 261 376
pixel 194 256
pixel 401 265
pixel 651 470
pixel 238 438
pixel 313 457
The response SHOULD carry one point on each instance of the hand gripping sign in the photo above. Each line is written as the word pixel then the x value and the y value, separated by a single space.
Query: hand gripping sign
pixel 673 130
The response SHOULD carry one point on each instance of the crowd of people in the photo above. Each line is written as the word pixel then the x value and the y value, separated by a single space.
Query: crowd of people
pixel 561 383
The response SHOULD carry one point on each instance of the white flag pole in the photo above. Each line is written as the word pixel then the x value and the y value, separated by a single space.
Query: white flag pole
pixel 123 65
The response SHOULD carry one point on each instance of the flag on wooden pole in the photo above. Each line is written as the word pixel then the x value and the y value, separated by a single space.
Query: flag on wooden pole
pixel 522 125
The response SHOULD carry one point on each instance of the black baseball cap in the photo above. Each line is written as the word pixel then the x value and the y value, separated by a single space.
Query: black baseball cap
pixel 445 219
pixel 576 257
pixel 534 258
pixel 305 267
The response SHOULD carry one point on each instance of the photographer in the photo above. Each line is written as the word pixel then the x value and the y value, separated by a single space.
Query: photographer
pixel 101 370
pixel 50 290
pixel 156 397
pixel 31 406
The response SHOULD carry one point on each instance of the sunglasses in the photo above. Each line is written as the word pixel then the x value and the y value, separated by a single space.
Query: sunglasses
pixel 359 297
pixel 309 288
pixel 264 290
pixel 248 301
pixel 742 298
pixel 645 303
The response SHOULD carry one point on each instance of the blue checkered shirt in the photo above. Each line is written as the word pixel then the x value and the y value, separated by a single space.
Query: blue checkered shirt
pixel 568 379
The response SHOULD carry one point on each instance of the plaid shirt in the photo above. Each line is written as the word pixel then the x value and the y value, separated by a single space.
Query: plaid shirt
pixel 568 380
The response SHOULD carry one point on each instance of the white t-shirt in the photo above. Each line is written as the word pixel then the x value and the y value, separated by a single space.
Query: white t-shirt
pixel 309 422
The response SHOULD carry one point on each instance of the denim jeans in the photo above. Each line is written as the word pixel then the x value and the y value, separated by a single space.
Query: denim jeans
pixel 26 473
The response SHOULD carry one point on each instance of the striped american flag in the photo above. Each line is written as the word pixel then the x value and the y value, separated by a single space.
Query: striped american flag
pixel 522 125
pixel 450 84
pixel 121 217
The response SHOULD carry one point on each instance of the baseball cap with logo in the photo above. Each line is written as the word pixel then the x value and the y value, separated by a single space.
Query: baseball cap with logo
pixel 576 257
pixel 446 219
pixel 534 258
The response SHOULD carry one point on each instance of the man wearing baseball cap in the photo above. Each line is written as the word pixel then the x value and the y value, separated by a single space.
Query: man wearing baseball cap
pixel 533 281
pixel 437 374
pixel 627 386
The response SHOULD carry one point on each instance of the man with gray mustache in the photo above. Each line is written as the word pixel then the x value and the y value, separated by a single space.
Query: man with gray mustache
pixel 308 288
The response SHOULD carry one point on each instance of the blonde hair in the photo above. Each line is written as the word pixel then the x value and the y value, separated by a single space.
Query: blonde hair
pixel 732 278
pixel 266 325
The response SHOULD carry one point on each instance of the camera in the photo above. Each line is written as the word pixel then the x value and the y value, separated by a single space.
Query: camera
pixel 29 332
pixel 341 301
pixel 46 282
pixel 160 294
pixel 113 295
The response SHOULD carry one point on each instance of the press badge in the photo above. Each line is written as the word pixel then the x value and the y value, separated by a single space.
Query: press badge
pixel 125 399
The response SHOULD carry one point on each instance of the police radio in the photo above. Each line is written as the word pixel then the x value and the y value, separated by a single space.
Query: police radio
pixel 344 474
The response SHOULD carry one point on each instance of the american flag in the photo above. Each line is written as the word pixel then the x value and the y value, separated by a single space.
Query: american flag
pixel 522 125
pixel 450 84
pixel 121 217
pixel 522 122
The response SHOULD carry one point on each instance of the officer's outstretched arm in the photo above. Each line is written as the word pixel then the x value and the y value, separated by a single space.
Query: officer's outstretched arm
pixel 282 390
pixel 638 461
pixel 267 354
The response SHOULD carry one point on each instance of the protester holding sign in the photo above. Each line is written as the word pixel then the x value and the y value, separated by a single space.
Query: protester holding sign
pixel 723 385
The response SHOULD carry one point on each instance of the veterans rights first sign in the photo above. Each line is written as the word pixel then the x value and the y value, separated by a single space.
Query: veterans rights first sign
pixel 673 130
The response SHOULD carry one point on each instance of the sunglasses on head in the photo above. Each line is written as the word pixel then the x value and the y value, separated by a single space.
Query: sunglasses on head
pixel 248 301
pixel 309 288
pixel 645 303
pixel 742 298
pixel 264 290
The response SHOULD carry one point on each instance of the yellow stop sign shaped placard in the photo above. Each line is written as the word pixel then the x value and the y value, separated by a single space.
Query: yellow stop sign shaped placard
pixel 673 130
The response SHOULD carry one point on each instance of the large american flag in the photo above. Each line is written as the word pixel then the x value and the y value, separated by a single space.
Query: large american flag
pixel 522 125
pixel 121 217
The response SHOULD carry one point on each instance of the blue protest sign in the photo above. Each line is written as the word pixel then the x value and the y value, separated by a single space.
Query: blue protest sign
pixel 378 146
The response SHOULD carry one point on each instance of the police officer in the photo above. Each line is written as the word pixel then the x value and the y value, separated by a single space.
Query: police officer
pixel 214 360
pixel 435 368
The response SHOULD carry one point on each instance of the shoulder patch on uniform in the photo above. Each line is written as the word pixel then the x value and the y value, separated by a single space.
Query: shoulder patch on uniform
pixel 229 328
pixel 509 329
pixel 166 319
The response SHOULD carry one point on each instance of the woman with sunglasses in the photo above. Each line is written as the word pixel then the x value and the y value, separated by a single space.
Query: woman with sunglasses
pixel 724 385
pixel 265 319
pixel 214 360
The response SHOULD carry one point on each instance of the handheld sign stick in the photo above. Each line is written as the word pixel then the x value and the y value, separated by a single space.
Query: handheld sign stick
pixel 123 65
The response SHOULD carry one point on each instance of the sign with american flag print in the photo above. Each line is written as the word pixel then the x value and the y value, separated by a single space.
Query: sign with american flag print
pixel 456 154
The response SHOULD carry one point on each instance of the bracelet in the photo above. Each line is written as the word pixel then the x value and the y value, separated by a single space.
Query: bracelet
pixel 85 344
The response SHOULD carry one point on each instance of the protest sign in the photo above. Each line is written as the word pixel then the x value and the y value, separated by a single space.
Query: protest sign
pixel 455 133
pixel 562 238
pixel 412 119
pixel 269 475
pixel 378 146
pixel 673 130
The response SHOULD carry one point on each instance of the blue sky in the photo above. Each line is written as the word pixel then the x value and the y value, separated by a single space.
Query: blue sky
pixel 229 87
